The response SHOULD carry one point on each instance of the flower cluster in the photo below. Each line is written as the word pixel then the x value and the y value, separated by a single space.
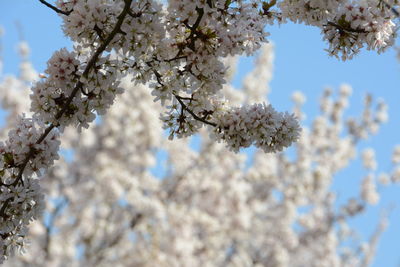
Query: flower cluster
pixel 22 141
pixel 310 12
pixel 89 20
pixel 257 124
pixel 368 190
pixel 346 25
pixel 368 157
pixel 21 204
pixel 20 194
pixel 220 27
pixel 143 33
pixel 359 24
pixel 49 95
pixel 370 120
pixel 97 90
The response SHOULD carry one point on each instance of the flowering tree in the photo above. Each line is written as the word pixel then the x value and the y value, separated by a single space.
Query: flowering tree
pixel 209 208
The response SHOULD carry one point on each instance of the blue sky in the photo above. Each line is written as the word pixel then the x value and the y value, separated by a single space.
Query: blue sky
pixel 300 64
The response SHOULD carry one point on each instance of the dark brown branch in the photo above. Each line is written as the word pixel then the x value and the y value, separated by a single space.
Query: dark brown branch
pixel 186 98
pixel 99 32
pixel 210 3
pixel 193 28
pixel 134 15
pixel 345 29
pixel 180 99
pixel 175 58
pixel 3 208
pixel 200 12
pixel 59 11
pixel 135 220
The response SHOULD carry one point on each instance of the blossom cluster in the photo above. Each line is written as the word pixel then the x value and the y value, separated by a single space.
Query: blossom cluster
pixel 89 19
pixel 21 196
pixel 347 25
pixel 97 90
pixel 257 124
pixel 359 24
pixel 49 95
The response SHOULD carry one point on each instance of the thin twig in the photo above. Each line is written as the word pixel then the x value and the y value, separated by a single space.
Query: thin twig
pixel 180 98
pixel 345 29
pixel 59 11
pixel 192 113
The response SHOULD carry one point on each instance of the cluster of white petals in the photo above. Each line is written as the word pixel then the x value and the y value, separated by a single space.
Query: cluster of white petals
pixel 358 24
pixel 368 157
pixel 89 18
pixel 347 25
pixel 260 125
pixel 368 190
pixel 25 203
pixel 51 95
pixel 22 140
pixel 20 194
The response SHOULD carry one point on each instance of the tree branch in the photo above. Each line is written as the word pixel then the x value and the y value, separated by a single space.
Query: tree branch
pixel 192 113
pixel 180 98
pixel 59 11
pixel 345 29
pixel 193 28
